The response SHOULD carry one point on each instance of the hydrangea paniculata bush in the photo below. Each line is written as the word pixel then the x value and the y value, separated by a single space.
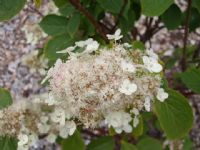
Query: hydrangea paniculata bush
pixel 96 84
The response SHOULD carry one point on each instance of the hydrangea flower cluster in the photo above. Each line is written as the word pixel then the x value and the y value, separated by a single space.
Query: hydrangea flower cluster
pixel 99 84
pixel 35 62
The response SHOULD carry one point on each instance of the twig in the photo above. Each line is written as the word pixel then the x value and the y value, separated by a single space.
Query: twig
pixel 183 63
pixel 98 27
pixel 36 10
pixel 120 15
pixel 150 31
pixel 134 33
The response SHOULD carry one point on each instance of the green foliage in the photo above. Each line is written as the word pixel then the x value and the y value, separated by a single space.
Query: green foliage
pixel 126 22
pixel 194 19
pixel 127 146
pixel 148 143
pixel 196 4
pixel 138 131
pixel 188 144
pixel 8 143
pixel 102 143
pixel 67 9
pixel 175 115
pixel 9 8
pixel 74 142
pixel 138 45
pixel 60 3
pixel 5 98
pixel 191 78
pixel 57 43
pixel 113 6
pixel 155 7
pixel 54 25
pixel 172 17
pixel 73 24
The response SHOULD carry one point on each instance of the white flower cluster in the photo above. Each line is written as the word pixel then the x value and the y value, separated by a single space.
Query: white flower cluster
pixel 27 120
pixel 101 83
pixel 33 32
pixel 36 63
pixel 31 28
pixel 98 84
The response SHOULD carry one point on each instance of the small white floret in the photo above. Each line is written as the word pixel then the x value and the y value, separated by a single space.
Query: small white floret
pixel 152 64
pixel 91 47
pixel 23 139
pixel 68 129
pixel 128 66
pixel 119 121
pixel 161 95
pixel 152 54
pixel 135 121
pixel 127 87
pixel 147 104
pixel 58 116
pixel 116 35
pixel 51 138
pixel 67 50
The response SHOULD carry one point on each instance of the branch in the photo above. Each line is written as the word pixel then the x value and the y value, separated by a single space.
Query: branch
pixel 183 59
pixel 150 30
pixel 98 27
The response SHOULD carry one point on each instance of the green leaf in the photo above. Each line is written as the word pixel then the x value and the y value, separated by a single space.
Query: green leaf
pixel 5 98
pixel 54 25
pixel 196 4
pixel 191 78
pixel 57 43
pixel 74 142
pixel 8 143
pixel 172 17
pixel 102 143
pixel 113 6
pixel 174 114
pixel 60 3
pixel 137 8
pixel 67 9
pixel 126 23
pixel 188 144
pixel 127 146
pixel 155 7
pixel 138 131
pixel 194 19
pixel 138 45
pixel 9 8
pixel 148 143
pixel 73 24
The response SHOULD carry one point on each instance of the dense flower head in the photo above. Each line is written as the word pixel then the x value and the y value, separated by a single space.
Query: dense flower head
pixel 93 84
pixel 99 84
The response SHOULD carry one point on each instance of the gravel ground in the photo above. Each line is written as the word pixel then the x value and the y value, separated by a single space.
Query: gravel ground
pixel 22 82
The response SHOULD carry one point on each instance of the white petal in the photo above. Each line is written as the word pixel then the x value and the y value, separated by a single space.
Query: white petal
pixel 23 139
pixel 51 138
pixel 135 121
pixel 127 128
pixel 147 104
pixel 69 49
pixel 161 95
pixel 135 111
pixel 117 32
